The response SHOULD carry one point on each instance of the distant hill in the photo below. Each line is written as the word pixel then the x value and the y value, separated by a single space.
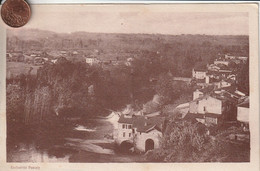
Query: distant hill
pixel 184 49
pixel 30 34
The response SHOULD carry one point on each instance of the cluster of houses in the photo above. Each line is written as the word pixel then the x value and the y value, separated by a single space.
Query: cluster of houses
pixel 144 128
pixel 93 60
pixel 35 58
pixel 217 98
pixel 219 73
pixel 215 101
pixel 42 57
pixel 215 106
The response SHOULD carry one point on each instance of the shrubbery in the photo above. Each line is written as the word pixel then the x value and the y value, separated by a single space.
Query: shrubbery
pixel 184 141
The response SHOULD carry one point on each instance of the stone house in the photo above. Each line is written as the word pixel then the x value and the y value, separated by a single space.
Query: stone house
pixel 143 132
pixel 209 109
pixel 206 104
pixel 124 130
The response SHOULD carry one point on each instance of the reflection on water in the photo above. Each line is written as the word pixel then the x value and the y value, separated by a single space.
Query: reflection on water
pixel 82 132
pixel 81 145
pixel 29 153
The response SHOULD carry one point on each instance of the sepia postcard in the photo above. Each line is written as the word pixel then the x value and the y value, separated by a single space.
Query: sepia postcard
pixel 131 87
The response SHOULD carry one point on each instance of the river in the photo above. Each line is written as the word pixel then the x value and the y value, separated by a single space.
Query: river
pixel 90 141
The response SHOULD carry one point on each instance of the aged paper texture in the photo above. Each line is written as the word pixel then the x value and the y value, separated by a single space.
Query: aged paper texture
pixel 131 87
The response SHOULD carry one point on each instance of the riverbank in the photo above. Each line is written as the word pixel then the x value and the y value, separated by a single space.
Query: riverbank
pixel 85 142
pixel 89 145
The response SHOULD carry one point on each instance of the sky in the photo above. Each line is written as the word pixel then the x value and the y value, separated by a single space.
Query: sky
pixel 136 19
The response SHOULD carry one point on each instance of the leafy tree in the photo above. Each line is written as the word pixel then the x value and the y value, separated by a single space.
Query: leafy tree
pixel 167 88
pixel 243 78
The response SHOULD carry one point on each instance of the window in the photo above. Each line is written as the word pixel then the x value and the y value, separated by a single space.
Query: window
pixel 204 109
pixel 123 134
pixel 129 126
pixel 123 126
pixel 133 130
pixel 129 134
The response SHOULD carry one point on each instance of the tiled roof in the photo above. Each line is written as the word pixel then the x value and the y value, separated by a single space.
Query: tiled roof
pixel 200 98
pixel 223 67
pixel 153 114
pixel 244 104
pixel 198 115
pixel 193 116
pixel 225 97
pixel 144 124
pixel 212 115
pixel 200 69
pixel 123 119
pixel 207 89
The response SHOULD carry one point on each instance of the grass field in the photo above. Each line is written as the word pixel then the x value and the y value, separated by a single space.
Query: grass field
pixel 17 68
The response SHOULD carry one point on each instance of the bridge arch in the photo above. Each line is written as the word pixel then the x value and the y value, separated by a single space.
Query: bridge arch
pixel 125 146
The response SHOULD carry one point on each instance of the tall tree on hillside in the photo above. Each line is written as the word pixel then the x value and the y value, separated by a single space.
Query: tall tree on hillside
pixel 168 89
pixel 243 78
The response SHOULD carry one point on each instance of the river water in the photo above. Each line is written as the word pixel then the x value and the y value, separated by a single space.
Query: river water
pixel 90 141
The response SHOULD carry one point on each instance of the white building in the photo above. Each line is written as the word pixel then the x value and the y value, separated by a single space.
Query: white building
pixel 208 109
pixel 148 139
pixel 206 104
pixel 243 112
pixel 143 132
pixel 54 61
pixel 240 58
pixel 223 84
pixel 92 60
pixel 197 94
pixel 216 62
pixel 124 130
pixel 199 73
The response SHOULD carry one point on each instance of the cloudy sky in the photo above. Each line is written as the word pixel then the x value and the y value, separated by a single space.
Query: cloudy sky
pixel 113 19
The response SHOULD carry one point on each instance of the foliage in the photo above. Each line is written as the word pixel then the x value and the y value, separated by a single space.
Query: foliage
pixel 243 78
pixel 169 89
pixel 44 103
pixel 187 142
pixel 184 139
pixel 175 53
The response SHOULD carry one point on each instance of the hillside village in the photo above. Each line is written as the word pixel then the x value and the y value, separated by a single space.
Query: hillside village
pixel 145 92
pixel 36 59
pixel 216 101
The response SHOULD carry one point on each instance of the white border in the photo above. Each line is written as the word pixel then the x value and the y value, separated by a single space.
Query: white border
pixel 254 118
